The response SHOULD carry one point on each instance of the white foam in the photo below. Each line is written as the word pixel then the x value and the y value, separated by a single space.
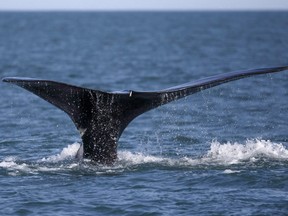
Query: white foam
pixel 252 150
pixel 7 164
pixel 67 153
pixel 13 167
pixel 138 158
pixel 229 171
pixel 126 158
pixel 16 167
pixel 219 154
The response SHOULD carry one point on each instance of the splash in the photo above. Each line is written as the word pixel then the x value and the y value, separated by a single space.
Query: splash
pixel 67 153
pixel 223 154
pixel 219 154
pixel 138 158
pixel 252 150
pixel 14 168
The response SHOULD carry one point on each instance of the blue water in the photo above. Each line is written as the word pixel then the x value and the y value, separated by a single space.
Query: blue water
pixel 223 151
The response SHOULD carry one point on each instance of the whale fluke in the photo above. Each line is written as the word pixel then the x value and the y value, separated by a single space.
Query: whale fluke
pixel 101 117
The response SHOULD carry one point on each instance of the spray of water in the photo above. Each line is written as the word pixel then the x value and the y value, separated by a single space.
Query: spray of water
pixel 223 154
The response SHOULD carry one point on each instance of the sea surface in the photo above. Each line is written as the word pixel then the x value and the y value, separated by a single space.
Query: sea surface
pixel 223 151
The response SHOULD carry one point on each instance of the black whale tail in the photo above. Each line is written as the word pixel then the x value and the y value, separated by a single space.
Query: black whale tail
pixel 101 116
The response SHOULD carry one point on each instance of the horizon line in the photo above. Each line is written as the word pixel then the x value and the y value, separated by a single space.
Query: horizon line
pixel 149 10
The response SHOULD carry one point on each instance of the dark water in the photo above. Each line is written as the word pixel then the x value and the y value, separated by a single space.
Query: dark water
pixel 223 151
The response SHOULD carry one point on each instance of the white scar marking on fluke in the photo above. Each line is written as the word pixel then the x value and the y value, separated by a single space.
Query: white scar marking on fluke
pixel 82 131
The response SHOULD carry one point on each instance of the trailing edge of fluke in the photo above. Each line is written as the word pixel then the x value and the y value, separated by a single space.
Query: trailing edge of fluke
pixel 101 117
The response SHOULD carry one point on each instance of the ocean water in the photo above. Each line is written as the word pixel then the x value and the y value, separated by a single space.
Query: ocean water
pixel 223 151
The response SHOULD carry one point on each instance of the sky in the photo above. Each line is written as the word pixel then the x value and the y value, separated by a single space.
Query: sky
pixel 143 5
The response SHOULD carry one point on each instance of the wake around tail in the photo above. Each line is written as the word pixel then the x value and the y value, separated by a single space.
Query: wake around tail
pixel 101 117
